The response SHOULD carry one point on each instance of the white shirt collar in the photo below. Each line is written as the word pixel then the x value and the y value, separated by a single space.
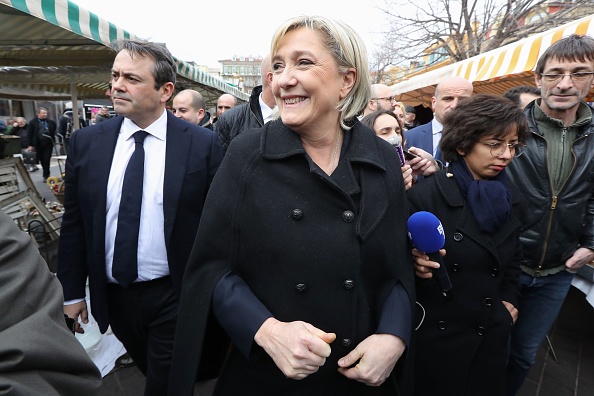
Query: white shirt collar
pixel 436 126
pixel 157 129
pixel 267 112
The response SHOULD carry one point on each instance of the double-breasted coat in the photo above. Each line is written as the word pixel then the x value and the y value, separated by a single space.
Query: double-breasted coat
pixel 320 249
pixel 461 345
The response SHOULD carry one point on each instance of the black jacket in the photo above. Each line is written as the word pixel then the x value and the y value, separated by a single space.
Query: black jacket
pixel 325 250
pixel 37 136
pixel 554 227
pixel 240 118
pixel 463 342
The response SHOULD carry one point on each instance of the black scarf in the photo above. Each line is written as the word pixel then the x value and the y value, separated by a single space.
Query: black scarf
pixel 489 200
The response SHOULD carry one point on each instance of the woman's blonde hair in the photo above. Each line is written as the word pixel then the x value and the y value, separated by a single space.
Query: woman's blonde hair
pixel 347 49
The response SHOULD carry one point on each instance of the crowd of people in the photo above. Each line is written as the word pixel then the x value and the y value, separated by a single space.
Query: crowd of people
pixel 268 245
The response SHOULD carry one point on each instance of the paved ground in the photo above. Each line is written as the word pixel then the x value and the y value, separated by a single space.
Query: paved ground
pixel 572 338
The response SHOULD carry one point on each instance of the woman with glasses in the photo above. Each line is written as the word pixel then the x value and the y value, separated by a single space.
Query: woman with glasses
pixel 461 341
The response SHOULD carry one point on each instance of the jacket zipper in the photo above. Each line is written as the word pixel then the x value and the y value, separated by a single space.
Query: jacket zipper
pixel 554 200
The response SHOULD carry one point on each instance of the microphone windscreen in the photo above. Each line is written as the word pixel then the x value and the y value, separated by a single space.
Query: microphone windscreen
pixel 394 140
pixel 426 232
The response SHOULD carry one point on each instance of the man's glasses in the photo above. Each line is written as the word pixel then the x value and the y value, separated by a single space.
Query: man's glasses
pixel 388 98
pixel 556 77
pixel 497 149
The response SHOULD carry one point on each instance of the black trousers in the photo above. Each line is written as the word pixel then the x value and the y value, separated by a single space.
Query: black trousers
pixel 143 317
pixel 44 154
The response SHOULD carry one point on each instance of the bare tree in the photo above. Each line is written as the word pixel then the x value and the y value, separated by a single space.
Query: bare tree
pixel 459 29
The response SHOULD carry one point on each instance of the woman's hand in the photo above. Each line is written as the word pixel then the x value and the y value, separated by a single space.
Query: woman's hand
pixel 424 267
pixel 512 311
pixel 372 361
pixel 407 175
pixel 297 348
pixel 425 164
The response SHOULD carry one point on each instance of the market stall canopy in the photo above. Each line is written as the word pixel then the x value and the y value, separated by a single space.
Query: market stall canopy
pixel 54 50
pixel 495 71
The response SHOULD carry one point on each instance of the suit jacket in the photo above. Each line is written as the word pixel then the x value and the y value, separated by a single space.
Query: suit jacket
pixel 33 128
pixel 39 355
pixel 422 137
pixel 193 156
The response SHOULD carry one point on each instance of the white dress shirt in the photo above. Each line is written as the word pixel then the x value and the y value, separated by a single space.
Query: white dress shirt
pixel 436 128
pixel 152 254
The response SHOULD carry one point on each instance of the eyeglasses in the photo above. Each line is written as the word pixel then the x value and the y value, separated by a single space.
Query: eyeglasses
pixel 556 77
pixel 388 98
pixel 497 149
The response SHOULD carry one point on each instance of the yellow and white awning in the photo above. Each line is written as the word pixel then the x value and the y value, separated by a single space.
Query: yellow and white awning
pixel 497 70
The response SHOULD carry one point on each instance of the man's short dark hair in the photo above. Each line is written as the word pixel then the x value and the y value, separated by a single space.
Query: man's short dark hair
pixel 164 70
pixel 410 109
pixel 514 93
pixel 571 48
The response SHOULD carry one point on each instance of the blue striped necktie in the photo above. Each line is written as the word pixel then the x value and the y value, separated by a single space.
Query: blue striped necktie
pixel 125 252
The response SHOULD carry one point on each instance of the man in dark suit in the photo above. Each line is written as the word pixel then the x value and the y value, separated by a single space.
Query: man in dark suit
pixel 41 132
pixel 447 94
pixel 137 294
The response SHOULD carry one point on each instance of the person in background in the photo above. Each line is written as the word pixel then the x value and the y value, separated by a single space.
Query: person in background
pixel 447 94
pixel 102 115
pixel 134 191
pixel 462 340
pixel 189 105
pixel 41 132
pixel 40 356
pixel 381 98
pixel 555 177
pixel 410 118
pixel 386 125
pixel 522 95
pixel 66 125
pixel 260 109
pixel 308 263
pixel 399 111
pixel 224 103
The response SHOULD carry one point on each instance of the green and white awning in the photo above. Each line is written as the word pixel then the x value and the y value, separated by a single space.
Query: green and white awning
pixel 51 45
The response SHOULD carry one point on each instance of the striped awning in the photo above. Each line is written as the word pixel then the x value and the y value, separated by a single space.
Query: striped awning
pixel 61 43
pixel 497 70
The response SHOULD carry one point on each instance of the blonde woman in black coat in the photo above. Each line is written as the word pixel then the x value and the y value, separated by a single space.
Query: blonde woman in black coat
pixel 461 344
pixel 302 254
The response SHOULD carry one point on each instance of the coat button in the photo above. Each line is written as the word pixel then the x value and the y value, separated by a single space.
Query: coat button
pixel 300 287
pixel 488 302
pixel 480 330
pixel 458 237
pixel 348 216
pixel 455 267
pixel 442 325
pixel 348 284
pixel 346 342
pixel 297 214
pixel 495 272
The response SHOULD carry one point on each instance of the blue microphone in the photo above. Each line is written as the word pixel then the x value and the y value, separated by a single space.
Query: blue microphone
pixel 426 233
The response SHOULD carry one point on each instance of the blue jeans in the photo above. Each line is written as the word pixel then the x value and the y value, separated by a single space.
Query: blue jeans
pixel 540 301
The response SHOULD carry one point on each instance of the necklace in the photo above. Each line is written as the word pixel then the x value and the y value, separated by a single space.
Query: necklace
pixel 334 159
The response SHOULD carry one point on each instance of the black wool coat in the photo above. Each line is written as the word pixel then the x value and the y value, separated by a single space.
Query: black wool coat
pixel 324 250
pixel 461 344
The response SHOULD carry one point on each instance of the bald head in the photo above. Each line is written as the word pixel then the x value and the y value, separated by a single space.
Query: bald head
pixel 447 93
pixel 189 105
pixel 266 74
pixel 224 103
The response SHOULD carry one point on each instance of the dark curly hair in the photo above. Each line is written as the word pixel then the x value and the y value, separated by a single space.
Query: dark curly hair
pixel 478 116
